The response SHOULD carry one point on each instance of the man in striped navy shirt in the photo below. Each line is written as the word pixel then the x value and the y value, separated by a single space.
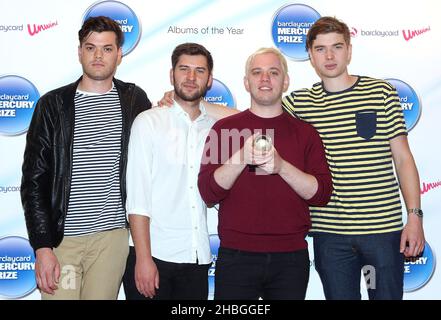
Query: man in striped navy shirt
pixel 73 185
pixel 362 127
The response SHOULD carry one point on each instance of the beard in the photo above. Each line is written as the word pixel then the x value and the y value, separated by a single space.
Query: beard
pixel 196 95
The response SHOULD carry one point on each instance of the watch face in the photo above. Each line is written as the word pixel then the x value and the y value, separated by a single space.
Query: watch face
pixel 418 212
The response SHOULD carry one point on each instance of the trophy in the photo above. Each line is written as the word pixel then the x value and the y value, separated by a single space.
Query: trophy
pixel 262 143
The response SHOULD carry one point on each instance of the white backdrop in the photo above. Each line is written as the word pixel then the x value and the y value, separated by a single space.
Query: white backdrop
pixel 48 59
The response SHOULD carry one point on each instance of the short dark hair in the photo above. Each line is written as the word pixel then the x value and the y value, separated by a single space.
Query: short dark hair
pixel 327 25
pixel 191 49
pixel 101 24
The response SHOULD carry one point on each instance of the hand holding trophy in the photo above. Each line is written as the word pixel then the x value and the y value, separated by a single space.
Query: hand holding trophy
pixel 262 143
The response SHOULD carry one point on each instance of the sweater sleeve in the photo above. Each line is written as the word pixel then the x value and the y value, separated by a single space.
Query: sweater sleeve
pixel 317 166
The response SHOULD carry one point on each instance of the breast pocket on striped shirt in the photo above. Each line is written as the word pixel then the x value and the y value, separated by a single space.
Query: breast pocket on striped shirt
pixel 366 123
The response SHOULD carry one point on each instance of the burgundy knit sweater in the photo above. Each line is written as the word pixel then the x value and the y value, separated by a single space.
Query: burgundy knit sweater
pixel 261 212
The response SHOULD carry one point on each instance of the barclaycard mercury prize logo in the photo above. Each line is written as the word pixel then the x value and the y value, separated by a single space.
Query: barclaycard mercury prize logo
pixel 214 246
pixel 18 97
pixel 17 267
pixel 409 101
pixel 419 270
pixel 122 14
pixel 220 94
pixel 291 23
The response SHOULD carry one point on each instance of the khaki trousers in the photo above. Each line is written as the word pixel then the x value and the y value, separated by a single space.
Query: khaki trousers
pixel 92 266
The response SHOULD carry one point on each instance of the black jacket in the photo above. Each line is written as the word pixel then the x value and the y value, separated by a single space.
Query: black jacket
pixel 47 164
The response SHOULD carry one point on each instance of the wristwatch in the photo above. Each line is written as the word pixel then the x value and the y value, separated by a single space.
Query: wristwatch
pixel 416 211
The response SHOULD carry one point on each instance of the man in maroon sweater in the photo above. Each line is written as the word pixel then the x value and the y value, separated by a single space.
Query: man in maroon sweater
pixel 264 190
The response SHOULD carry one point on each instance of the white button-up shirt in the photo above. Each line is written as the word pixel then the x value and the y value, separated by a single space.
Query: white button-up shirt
pixel 165 152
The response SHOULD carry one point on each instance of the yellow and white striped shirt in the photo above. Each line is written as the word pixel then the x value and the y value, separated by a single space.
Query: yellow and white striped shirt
pixel 356 126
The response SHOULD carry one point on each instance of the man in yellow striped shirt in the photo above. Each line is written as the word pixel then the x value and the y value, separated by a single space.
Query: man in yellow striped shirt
pixel 362 127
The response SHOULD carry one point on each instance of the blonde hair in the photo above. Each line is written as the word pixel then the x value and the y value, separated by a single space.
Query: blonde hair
pixel 267 50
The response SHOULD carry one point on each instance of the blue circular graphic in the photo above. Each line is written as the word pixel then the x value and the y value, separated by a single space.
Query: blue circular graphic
pixel 290 26
pixel 418 271
pixel 409 101
pixel 17 265
pixel 18 97
pixel 214 245
pixel 126 18
pixel 220 94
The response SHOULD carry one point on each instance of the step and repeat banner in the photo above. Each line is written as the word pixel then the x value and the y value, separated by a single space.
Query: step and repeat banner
pixel 395 40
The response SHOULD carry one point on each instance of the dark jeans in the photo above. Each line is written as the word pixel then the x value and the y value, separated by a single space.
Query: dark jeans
pixel 339 260
pixel 251 275
pixel 185 281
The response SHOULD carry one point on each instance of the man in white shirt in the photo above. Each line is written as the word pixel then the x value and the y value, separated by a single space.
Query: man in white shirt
pixel 168 219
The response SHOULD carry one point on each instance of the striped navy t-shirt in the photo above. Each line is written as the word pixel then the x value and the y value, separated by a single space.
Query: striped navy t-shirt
pixel 95 202
pixel 356 126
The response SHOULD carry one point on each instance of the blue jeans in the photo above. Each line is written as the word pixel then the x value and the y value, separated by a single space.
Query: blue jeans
pixel 242 275
pixel 339 260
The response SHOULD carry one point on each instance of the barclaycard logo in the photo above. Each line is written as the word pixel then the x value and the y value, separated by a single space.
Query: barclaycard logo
pixel 122 14
pixel 290 25
pixel 220 94
pixel 6 189
pixel 409 101
pixel 8 28
pixel 17 267
pixel 419 270
pixel 18 97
